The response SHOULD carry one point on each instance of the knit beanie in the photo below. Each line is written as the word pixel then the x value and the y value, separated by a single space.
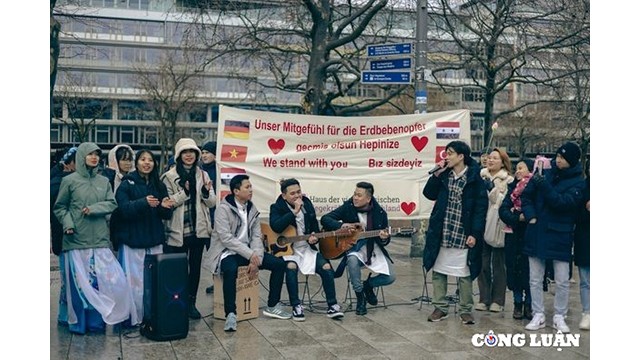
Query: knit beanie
pixel 69 156
pixel 571 152
pixel 210 147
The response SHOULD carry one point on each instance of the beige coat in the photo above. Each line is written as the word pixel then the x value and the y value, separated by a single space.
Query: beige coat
pixel 175 226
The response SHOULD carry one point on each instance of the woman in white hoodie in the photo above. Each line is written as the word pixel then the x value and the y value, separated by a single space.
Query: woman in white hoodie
pixel 189 228
pixel 492 281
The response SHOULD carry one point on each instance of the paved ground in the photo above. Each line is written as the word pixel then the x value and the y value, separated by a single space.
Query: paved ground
pixel 399 331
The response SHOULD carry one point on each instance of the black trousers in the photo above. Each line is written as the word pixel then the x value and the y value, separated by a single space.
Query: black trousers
pixel 229 267
pixel 193 247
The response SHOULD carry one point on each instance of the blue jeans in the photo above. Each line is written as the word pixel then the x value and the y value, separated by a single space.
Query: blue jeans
pixel 536 277
pixel 585 286
pixel 328 283
pixel 354 266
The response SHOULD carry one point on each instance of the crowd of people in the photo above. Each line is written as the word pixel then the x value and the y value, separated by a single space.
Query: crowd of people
pixel 489 222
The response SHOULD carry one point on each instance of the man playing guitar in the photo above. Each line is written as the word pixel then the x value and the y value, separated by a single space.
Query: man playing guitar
pixel 292 208
pixel 363 210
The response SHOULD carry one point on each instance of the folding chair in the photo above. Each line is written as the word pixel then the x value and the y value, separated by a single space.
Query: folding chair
pixel 348 296
pixel 424 298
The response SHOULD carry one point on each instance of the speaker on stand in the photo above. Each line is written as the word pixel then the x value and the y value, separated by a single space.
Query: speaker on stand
pixel 166 297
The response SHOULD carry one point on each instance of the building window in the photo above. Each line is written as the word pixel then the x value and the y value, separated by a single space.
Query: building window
pixel 198 113
pixel 55 133
pixel 89 109
pixel 102 134
pixel 472 95
pixel 128 135
pixel 150 136
pixel 134 110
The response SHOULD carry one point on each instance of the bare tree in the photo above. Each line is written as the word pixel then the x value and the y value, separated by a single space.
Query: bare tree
pixel 173 85
pixel 314 49
pixel 54 53
pixel 502 42
pixel 82 112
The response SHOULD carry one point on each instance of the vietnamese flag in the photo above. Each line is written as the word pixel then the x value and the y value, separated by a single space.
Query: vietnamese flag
pixel 233 153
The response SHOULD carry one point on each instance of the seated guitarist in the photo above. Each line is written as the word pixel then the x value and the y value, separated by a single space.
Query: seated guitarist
pixel 363 210
pixel 237 241
pixel 294 209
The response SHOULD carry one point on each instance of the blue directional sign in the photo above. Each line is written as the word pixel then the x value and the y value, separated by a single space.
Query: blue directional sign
pixel 386 77
pixel 389 49
pixel 392 64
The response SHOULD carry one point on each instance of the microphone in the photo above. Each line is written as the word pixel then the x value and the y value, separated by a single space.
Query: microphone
pixel 436 168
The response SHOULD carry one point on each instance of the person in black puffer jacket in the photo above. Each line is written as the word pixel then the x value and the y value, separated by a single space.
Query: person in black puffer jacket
pixel 143 203
pixel 550 204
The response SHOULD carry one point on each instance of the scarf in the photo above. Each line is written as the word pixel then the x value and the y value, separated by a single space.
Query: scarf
pixel 517 192
pixel 367 209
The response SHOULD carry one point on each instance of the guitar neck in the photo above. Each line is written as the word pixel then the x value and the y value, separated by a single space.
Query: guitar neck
pixel 292 239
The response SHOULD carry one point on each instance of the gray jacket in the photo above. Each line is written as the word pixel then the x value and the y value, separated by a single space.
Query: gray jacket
pixel 226 232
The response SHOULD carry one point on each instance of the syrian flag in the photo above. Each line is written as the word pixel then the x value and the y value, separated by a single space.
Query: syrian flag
pixel 447 130
pixel 226 174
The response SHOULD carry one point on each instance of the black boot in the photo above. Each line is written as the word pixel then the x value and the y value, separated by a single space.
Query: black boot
pixel 517 311
pixel 528 314
pixel 361 307
pixel 372 299
pixel 193 312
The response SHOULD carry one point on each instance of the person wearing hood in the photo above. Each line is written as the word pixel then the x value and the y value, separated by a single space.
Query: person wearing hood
pixel 189 229
pixel 143 202
pixel 550 203
pixel 97 290
pixel 454 239
pixel 492 281
pixel 238 242
pixel 68 165
pixel 120 162
pixel 517 263
pixel 362 210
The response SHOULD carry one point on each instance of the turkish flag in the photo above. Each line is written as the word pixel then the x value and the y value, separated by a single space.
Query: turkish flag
pixel 441 153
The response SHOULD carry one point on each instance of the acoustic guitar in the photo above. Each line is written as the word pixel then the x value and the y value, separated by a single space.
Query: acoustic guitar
pixel 280 244
pixel 334 247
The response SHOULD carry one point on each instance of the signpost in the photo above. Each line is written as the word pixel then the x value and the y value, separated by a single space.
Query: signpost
pixel 389 49
pixel 386 77
pixel 392 64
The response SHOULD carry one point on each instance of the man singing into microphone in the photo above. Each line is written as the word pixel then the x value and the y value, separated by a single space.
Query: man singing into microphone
pixel 456 227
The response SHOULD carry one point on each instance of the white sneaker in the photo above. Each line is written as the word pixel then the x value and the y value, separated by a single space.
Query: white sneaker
pixel 559 324
pixel 481 307
pixel 537 323
pixel 496 308
pixel 585 322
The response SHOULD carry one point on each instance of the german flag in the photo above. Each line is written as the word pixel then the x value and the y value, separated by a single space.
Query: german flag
pixel 233 153
pixel 236 129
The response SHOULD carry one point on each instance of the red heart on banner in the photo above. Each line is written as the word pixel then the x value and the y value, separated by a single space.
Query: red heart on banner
pixel 419 142
pixel 276 145
pixel 408 208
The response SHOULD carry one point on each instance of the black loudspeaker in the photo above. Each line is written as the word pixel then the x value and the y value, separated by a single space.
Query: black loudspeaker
pixel 166 297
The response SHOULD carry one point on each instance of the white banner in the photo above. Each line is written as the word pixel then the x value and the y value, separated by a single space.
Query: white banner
pixel 329 155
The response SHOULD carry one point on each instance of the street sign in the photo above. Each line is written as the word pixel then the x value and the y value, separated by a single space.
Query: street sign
pixel 386 77
pixel 389 49
pixel 392 64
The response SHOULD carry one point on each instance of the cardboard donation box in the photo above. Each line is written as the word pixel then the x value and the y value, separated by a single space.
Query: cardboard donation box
pixel 247 296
